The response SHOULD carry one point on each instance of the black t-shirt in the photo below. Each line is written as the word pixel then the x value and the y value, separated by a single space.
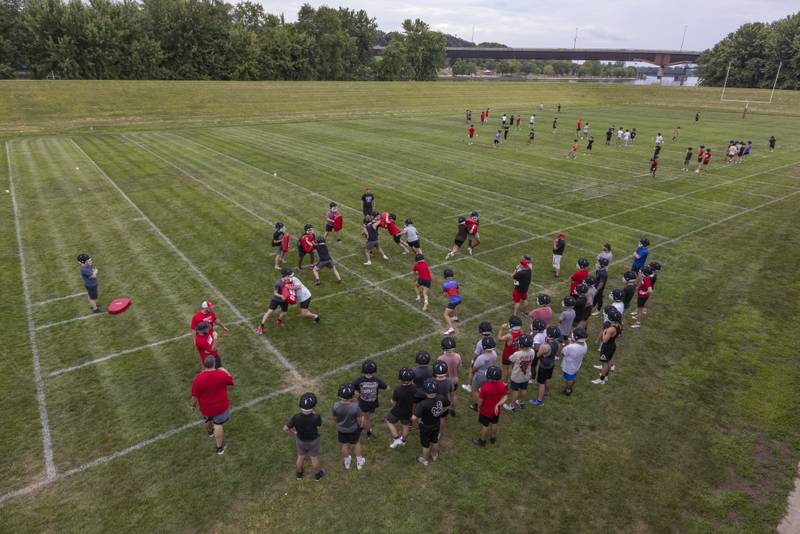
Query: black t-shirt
pixel 559 247
pixel 548 361
pixel 688 156
pixel 444 388
pixel 422 373
pixel 608 135
pixel 324 253
pixel 555 121
pixel 368 387
pixel 306 425
pixel 372 232
pixel 366 202
pixel 461 234
pixel 580 307
pixel 627 294
pixel 277 237
pixel 403 398
pixel 591 141
pixel 602 277
pixel 429 411
pixel 522 280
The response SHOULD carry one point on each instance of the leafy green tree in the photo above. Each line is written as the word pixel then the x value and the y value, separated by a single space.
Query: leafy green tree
pixel 464 67
pixel 424 49
pixel 12 35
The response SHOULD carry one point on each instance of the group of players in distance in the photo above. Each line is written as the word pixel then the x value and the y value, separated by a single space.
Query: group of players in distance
pixel 427 394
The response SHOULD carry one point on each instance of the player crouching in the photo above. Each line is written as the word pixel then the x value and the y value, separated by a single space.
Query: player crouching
pixel 325 261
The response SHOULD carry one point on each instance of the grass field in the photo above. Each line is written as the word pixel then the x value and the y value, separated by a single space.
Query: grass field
pixel 173 189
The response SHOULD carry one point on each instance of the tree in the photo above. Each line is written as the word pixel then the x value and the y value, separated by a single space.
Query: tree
pixel 508 66
pixel 463 67
pixel 417 54
pixel 12 35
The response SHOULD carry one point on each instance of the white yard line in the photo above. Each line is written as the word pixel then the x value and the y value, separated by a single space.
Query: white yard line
pixel 66 321
pixel 56 299
pixel 200 275
pixel 47 442
pixel 169 433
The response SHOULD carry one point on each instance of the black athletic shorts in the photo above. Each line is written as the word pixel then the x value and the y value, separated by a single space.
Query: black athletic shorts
pixel 458 242
pixel 275 304
pixel 350 438
pixel 428 435
pixel 305 304
pixel 396 238
pixel 486 421
pixel 392 418
pixel 92 291
pixel 641 302
pixel 325 263
pixel 302 252
pixel 543 375
pixel 367 406
pixel 414 244
pixel 452 305
pixel 424 283
pixel 328 227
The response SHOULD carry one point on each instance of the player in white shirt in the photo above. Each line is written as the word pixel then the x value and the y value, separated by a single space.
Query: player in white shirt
pixel 532 121
pixel 619 136
pixel 626 138
pixel 659 139
pixel 303 298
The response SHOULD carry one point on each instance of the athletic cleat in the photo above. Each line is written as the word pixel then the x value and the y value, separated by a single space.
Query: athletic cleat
pixel 221 450
pixel 599 381
pixel 449 331
pixel 466 387
pixel 367 263
pixel 614 367
pixel 536 402
pixel 316 319
pixel 455 318
pixel 385 257
pixel 210 433
pixel 418 299
pixel 425 306
pixel 360 463
pixel 97 310
pixel 521 405
pixel 474 407
pixel 318 476
pixel 398 442
pixel 479 442
pixel 422 460
pixel 636 325
pixel 596 312
pixel 347 461
pixel 597 366
pixel 469 249
pixel 299 475
pixel 508 407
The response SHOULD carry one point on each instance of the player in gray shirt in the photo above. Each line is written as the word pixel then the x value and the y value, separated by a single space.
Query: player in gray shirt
pixel 566 318
pixel 349 421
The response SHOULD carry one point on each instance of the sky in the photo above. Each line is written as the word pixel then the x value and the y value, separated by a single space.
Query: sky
pixel 646 24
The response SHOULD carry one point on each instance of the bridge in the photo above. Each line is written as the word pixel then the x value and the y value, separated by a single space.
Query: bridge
pixel 662 58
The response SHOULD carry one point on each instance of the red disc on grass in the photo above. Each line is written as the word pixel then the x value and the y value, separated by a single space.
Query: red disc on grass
pixel 118 306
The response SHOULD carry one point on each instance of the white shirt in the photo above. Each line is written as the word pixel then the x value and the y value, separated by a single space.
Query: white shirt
pixel 302 292
pixel 572 357
pixel 618 305
pixel 533 119
pixel 619 134
pixel 627 135
pixel 659 139
pixel 411 233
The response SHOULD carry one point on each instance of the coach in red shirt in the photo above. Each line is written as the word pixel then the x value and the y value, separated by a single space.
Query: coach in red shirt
pixel 207 315
pixel 210 392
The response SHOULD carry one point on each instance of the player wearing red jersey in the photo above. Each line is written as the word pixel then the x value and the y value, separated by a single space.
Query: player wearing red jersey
pixel 206 344
pixel 423 284
pixel 333 221
pixel 471 132
pixel 579 276
pixel 306 245
pixel 511 337
pixel 207 315
pixel 472 232
pixel 394 231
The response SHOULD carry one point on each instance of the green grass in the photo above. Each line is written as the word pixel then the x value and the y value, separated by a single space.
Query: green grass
pixel 696 432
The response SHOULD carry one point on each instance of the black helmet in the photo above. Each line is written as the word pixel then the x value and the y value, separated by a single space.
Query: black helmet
pixel 203 327
pixel 647 270
pixel 462 220
pixel 616 295
pixel 392 216
pixel 525 341
pixel 308 401
pixel 543 299
pixel 409 221
pixel 569 301
pixel 579 333
pixel 590 281
pixel 279 226
pixel 346 391
pixel 440 368
pixel 608 309
pixel 448 273
pixel 514 322
pixel 614 315
pixel 423 358
pixel 602 262
pixel 538 325
pixel 473 214
pixel 581 289
pixel 583 263
pixel 286 272
pixel 82 258
pixel 655 265
pixel 321 239
pixel 406 374
pixel 332 204
pixel 553 332
pixel 494 373
pixel 629 275
pixel 308 227
pixel 488 343
pixel 369 367
pixel 645 242
pixel 448 343
pixel 485 328
pixel 419 257
pixel 430 387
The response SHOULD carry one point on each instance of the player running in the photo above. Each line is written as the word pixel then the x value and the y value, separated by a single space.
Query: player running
pixel 451 290
pixel 424 279
pixel 573 150
pixel 461 236
pixel 370 231
pixel 394 231
pixel 472 232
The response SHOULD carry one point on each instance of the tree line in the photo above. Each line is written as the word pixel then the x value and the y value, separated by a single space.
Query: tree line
pixel 462 67
pixel 754 52
pixel 206 39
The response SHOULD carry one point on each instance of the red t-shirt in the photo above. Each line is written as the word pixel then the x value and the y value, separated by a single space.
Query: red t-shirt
pixel 701 154
pixel 210 388
pixel 577 279
pixel 422 270
pixel 205 345
pixel 513 346
pixel 201 317
pixel 579 125
pixel 491 392
pixel 308 242
pixel 472 130
pixel 544 313
pixel 472 226
pixel 393 229
pixel 646 284
pixel 707 159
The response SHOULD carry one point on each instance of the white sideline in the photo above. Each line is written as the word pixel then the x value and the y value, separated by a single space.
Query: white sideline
pixel 105 459
pixel 65 321
pixel 269 346
pixel 47 442
pixel 113 355
pixel 65 297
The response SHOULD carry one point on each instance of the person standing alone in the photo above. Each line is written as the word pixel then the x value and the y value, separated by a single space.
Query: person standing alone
pixel 89 274
pixel 210 392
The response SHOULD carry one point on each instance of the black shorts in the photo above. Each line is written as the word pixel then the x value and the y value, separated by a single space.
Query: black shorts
pixel 413 244
pixel 92 291
pixel 367 406
pixel 396 238
pixel 275 304
pixel 428 435
pixel 543 375
pixel 303 253
pixel 350 438
pixel 486 421
pixel 305 304
pixel 452 305
pixel 423 283
pixel 322 264
pixel 458 242
pixel 328 227
pixel 607 355
pixel 367 210
pixel 641 302
pixel 393 419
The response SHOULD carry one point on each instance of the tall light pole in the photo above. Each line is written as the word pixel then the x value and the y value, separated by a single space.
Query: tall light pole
pixel 575 40
pixel 684 36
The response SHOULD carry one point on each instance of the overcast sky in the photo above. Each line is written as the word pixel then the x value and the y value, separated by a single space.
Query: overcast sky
pixel 551 23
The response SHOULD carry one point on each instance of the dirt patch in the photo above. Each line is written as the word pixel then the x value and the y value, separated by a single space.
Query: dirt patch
pixel 770 458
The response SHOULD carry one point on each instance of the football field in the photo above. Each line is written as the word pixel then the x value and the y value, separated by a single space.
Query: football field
pixel 174 190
